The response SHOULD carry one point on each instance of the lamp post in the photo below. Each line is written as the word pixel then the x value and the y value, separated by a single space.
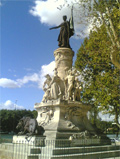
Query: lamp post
pixel 15 103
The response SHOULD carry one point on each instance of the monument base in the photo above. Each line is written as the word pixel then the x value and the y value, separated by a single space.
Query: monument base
pixel 30 140
pixel 68 120
pixel 61 118
pixel 89 142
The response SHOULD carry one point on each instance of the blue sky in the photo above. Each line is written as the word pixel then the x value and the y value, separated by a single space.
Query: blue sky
pixel 26 50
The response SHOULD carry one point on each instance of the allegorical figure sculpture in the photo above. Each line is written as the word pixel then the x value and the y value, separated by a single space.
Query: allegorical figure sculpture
pixel 54 88
pixel 72 85
pixel 67 89
pixel 77 90
pixel 69 82
pixel 46 89
pixel 66 31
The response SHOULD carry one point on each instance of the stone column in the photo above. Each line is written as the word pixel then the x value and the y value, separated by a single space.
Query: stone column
pixel 63 61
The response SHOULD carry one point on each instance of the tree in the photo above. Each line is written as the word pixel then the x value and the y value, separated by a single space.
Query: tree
pixel 100 75
pixel 108 13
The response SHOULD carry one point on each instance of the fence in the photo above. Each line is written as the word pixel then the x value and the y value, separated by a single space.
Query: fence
pixel 56 149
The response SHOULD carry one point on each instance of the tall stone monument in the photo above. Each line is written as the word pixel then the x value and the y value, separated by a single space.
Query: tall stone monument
pixel 61 112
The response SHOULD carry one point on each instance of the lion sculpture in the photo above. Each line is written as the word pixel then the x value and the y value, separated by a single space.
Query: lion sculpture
pixel 29 126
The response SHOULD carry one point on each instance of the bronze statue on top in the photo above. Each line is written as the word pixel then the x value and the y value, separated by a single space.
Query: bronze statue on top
pixel 66 31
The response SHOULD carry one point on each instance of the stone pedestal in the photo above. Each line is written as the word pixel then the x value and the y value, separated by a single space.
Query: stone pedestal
pixel 30 140
pixel 61 119
pixel 63 61
pixel 61 112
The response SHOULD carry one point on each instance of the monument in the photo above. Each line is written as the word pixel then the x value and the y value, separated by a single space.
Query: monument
pixel 61 112
pixel 62 117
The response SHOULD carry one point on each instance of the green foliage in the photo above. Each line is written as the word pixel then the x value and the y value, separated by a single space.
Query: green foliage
pixel 107 13
pixel 34 112
pixel 10 118
pixel 104 125
pixel 100 75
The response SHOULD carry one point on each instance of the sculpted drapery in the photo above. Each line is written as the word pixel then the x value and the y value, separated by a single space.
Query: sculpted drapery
pixel 66 31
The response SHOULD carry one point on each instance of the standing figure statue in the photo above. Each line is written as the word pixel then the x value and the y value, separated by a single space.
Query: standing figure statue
pixel 46 88
pixel 77 90
pixel 66 31
pixel 55 87
pixel 71 84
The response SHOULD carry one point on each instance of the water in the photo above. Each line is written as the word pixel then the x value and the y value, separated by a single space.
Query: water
pixel 6 136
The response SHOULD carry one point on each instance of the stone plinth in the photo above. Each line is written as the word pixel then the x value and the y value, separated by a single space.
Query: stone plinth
pixel 89 142
pixel 63 61
pixel 61 112
pixel 61 119
pixel 30 140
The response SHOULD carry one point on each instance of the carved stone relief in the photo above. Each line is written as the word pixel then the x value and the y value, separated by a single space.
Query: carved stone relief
pixel 84 135
pixel 66 89
pixel 63 59
pixel 70 113
pixel 46 115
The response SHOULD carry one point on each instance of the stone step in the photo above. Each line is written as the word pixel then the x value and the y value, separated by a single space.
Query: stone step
pixel 75 150
pixel 33 156
pixel 93 155
pixel 35 150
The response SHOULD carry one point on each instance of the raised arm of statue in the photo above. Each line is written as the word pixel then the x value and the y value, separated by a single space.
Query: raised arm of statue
pixel 55 27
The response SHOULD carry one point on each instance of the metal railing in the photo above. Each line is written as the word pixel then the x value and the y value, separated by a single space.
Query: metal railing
pixel 55 149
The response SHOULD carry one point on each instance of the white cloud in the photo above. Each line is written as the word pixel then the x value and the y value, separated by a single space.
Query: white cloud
pixel 8 83
pixel 0 4
pixel 10 105
pixel 37 78
pixel 28 78
pixel 48 13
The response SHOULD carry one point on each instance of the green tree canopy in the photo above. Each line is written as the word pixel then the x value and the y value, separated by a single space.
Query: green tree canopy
pixel 100 75
pixel 107 12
